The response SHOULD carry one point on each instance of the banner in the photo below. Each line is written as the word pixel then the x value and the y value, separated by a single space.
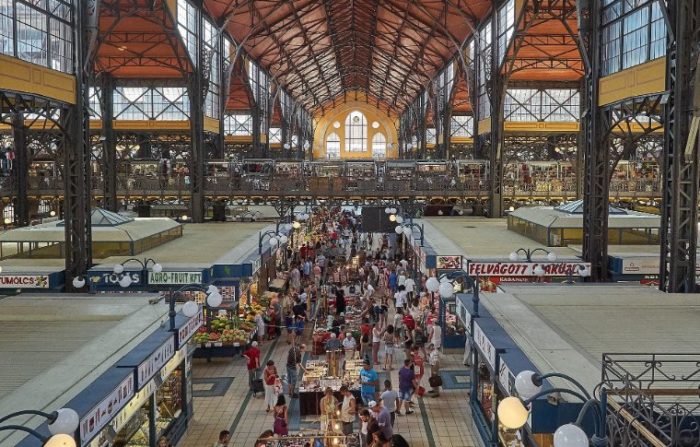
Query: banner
pixel 526 268
pixel 448 262
pixel 24 282
pixel 174 278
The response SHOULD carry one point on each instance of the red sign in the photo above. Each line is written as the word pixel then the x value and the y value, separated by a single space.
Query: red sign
pixel 526 268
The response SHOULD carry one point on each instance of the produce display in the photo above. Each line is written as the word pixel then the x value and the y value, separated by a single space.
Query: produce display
pixel 225 329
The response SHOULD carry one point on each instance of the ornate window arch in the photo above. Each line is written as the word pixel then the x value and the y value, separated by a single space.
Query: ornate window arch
pixel 333 146
pixel 356 132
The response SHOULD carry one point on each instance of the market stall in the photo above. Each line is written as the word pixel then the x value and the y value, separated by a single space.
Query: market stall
pixel 317 378
pixel 145 395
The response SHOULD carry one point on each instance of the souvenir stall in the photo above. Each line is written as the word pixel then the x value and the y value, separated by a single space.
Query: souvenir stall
pixel 359 173
pixel 145 395
pixel 331 438
pixel 453 332
pixel 318 377
pixel 399 175
pixel 496 361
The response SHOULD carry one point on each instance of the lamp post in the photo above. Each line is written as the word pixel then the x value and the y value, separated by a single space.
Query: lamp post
pixel 272 234
pixel 125 281
pixel 62 425
pixel 190 308
pixel 407 230
pixel 528 252
pixel 513 412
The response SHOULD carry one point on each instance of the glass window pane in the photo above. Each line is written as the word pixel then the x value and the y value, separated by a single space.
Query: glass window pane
pixel 356 132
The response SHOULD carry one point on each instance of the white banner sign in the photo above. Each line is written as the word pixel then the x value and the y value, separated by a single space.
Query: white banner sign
pixel 504 376
pixel 188 330
pixel 24 282
pixel 525 268
pixel 103 413
pixel 174 278
pixel 485 345
pixel 155 362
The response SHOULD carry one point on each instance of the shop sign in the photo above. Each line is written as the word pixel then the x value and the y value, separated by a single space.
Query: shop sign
pixel 174 278
pixel 112 279
pixel 504 378
pixel 644 265
pixel 188 330
pixel 24 282
pixel 155 362
pixel 525 268
pixel 448 262
pixel 142 396
pixel 257 262
pixel 103 413
pixel 485 346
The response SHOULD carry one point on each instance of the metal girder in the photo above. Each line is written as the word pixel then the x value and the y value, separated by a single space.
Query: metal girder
pixel 679 220
pixel 197 92
pixel 496 88
pixel 20 166
pixel 596 144
pixel 109 147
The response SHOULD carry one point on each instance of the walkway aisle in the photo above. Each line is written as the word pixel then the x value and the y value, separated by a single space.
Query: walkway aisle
pixel 221 404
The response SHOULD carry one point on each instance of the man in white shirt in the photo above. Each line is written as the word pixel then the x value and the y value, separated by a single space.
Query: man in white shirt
pixel 410 284
pixel 436 334
pixel 400 299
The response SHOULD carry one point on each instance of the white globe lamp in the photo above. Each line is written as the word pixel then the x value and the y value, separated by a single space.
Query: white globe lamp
pixel 214 299
pixel 61 440
pixel 570 435
pixel 513 256
pixel 512 413
pixel 157 268
pixel 125 281
pixel 66 422
pixel 398 229
pixel 212 288
pixel 539 271
pixel 273 241
pixel 118 269
pixel 296 225
pixel 432 284
pixel 78 282
pixel 525 385
pixel 190 309
pixel 399 219
pixel 446 289
pixel 407 231
pixel 392 217
pixel 551 256
pixel 283 239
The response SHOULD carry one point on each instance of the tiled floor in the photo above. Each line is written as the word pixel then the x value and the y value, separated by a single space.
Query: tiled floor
pixel 438 422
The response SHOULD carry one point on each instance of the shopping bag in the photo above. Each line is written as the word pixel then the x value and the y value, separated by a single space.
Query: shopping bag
pixel 420 391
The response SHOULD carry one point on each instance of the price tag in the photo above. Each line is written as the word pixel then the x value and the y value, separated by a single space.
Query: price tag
pixel 207 344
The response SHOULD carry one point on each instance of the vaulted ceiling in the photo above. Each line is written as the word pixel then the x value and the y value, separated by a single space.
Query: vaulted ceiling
pixel 322 50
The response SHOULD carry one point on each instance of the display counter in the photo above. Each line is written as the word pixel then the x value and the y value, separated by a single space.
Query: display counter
pixel 317 378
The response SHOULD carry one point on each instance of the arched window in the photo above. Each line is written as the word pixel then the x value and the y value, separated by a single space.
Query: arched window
pixel 333 147
pixel 379 146
pixel 356 132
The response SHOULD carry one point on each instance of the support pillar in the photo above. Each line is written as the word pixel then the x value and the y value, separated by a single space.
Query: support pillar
pixel 75 124
pixel 20 168
pixel 596 149
pixel 496 149
pixel 109 150
pixel 679 216
pixel 198 156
